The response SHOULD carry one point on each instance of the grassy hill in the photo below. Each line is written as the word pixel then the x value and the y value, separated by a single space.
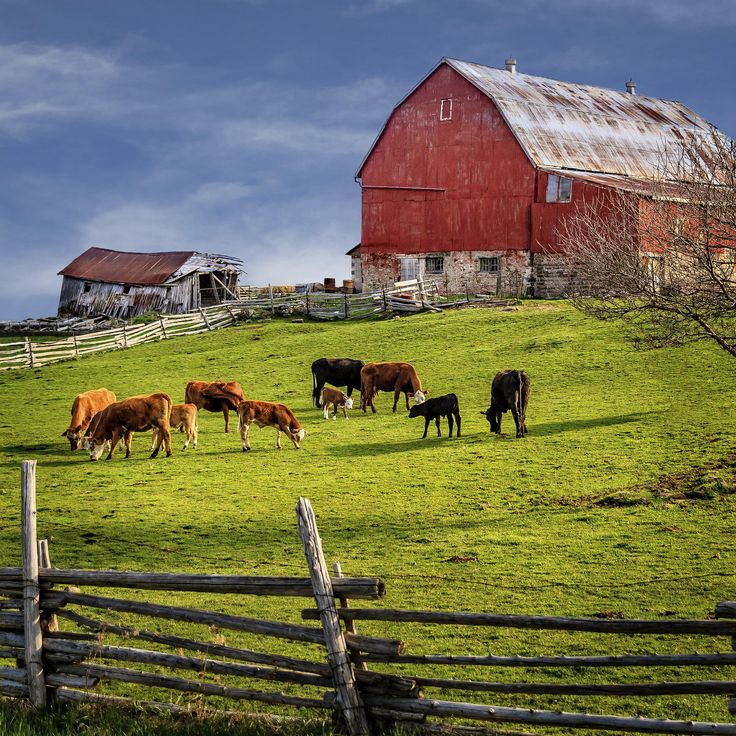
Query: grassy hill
pixel 619 499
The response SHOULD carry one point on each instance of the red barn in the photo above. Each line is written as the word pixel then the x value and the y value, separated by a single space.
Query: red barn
pixel 476 168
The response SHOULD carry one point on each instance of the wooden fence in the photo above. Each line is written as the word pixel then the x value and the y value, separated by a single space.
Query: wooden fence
pixel 57 653
pixel 408 298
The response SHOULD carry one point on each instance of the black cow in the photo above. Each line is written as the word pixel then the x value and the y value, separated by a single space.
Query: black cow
pixel 337 371
pixel 509 390
pixel 441 406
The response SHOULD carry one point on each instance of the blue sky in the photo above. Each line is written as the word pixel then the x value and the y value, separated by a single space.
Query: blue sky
pixel 236 126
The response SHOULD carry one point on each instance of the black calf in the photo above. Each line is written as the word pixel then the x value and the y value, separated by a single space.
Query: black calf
pixel 441 406
pixel 509 391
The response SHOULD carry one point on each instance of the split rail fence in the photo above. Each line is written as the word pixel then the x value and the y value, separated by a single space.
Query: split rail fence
pixel 410 297
pixel 57 653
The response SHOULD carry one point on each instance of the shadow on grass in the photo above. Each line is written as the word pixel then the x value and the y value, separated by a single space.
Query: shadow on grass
pixel 549 428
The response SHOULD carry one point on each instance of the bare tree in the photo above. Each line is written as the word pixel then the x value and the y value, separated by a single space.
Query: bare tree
pixel 661 255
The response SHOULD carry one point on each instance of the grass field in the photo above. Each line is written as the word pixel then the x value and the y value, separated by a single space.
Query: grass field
pixel 619 499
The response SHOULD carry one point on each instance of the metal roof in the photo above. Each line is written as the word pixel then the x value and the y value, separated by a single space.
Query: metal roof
pixel 144 269
pixel 561 125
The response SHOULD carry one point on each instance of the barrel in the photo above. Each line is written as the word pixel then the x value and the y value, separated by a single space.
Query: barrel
pixel 330 286
pixel 348 287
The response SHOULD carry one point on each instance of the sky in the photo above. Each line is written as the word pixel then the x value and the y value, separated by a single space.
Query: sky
pixel 237 126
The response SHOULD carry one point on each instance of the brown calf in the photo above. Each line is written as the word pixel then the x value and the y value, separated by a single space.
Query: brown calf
pixel 335 397
pixel 84 407
pixel 121 419
pixel 268 414
pixel 396 377
pixel 184 418
pixel 215 396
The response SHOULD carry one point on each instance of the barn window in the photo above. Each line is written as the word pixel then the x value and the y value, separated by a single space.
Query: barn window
pixel 488 265
pixel 559 189
pixel 446 109
pixel 126 289
pixel 434 264
pixel 87 287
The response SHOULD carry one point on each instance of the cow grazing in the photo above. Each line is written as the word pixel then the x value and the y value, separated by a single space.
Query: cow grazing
pixel 396 377
pixel 442 406
pixel 184 418
pixel 215 396
pixel 509 391
pixel 336 398
pixel 336 371
pixel 268 414
pixel 136 414
pixel 84 407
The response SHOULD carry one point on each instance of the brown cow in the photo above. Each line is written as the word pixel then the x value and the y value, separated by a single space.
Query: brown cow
pixel 184 418
pixel 215 396
pixel 84 407
pixel 335 397
pixel 121 419
pixel 396 377
pixel 268 414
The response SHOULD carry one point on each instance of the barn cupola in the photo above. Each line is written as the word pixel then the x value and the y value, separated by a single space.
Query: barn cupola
pixel 631 87
pixel 511 65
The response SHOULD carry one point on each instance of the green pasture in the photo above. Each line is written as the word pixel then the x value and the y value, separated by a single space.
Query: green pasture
pixel 618 502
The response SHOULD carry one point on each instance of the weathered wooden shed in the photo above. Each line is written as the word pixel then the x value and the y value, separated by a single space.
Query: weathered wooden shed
pixel 474 172
pixel 121 284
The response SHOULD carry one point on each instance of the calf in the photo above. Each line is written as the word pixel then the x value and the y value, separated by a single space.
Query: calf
pixel 84 407
pixel 396 377
pixel 215 396
pixel 336 398
pixel 509 391
pixel 442 406
pixel 122 418
pixel 268 414
pixel 338 372
pixel 184 418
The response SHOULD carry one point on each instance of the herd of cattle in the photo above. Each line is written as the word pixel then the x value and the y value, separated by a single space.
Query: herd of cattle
pixel 99 419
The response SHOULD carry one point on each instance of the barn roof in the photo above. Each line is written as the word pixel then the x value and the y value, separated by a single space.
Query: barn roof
pixel 561 125
pixel 144 269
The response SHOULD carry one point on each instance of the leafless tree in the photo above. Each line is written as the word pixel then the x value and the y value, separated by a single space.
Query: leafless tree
pixel 661 256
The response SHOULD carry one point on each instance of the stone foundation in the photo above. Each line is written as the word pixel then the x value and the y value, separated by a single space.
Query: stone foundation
pixel 551 275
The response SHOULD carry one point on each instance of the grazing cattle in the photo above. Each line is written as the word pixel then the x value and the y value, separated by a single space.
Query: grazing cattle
pixel 268 414
pixel 136 414
pixel 337 371
pixel 184 418
pixel 215 396
pixel 396 377
pixel 509 391
pixel 336 398
pixel 442 406
pixel 84 407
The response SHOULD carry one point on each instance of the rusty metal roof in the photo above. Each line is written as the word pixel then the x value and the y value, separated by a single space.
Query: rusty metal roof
pixel 575 126
pixel 119 267
pixel 560 125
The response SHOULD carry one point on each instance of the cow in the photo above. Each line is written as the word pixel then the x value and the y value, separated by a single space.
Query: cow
pixel 84 407
pixel 184 418
pixel 442 406
pixel 268 414
pixel 215 396
pixel 122 418
pixel 336 398
pixel 396 377
pixel 509 390
pixel 337 371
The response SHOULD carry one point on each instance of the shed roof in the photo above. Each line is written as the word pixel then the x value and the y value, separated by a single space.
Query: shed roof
pixel 561 125
pixel 145 269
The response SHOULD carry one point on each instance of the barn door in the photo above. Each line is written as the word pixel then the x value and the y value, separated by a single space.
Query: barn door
pixel 409 269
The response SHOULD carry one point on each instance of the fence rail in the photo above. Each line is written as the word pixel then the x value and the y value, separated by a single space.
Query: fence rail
pixel 51 651
pixel 407 298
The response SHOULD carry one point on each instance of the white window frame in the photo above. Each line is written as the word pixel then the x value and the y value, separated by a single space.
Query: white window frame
pixel 446 109
pixel 555 184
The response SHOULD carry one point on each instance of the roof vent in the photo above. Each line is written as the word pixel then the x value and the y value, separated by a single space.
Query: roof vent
pixel 511 65
pixel 631 87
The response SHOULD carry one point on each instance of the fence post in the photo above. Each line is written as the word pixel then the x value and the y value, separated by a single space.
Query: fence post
pixel 349 624
pixel 307 301
pixel 348 698
pixel 50 622
pixel 385 301
pixel 76 347
pixel 163 326
pixel 125 337
pixel 29 353
pixel 32 636
pixel 347 306
pixel 204 318
pixel 270 299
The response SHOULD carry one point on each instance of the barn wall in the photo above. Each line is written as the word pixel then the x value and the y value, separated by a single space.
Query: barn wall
pixel 488 181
